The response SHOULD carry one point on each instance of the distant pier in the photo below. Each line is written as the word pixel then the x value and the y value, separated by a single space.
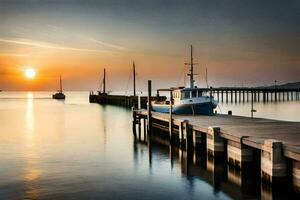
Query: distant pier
pixel 226 95
pixel 121 100
pixel 246 94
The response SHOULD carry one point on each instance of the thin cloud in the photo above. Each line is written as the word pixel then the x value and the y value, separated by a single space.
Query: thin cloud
pixel 117 47
pixel 46 45
pixel 13 55
pixel 62 30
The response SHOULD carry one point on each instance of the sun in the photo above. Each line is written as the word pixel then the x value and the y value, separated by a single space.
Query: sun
pixel 30 73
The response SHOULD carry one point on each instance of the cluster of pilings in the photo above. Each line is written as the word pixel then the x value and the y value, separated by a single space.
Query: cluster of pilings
pixel 219 173
pixel 242 95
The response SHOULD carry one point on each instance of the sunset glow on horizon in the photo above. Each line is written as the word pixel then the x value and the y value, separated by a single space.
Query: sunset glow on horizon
pixel 239 44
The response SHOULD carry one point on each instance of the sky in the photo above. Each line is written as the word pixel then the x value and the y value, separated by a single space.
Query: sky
pixel 241 43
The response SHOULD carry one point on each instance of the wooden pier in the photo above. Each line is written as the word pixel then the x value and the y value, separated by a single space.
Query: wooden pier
pixel 121 100
pixel 240 139
pixel 246 94
pixel 274 144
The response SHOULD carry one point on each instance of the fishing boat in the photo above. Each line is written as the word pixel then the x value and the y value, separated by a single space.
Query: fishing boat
pixel 186 100
pixel 59 94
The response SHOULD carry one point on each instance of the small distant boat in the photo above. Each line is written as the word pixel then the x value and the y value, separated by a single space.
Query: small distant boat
pixel 190 100
pixel 59 94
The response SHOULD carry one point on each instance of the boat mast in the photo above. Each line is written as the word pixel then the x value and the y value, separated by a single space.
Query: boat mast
pixel 191 64
pixel 104 81
pixel 134 89
pixel 60 84
pixel 192 70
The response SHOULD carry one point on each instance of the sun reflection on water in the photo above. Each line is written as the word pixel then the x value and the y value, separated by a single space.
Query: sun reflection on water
pixel 29 114
pixel 31 173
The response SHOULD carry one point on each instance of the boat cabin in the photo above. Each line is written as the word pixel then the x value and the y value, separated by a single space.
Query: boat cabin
pixel 183 94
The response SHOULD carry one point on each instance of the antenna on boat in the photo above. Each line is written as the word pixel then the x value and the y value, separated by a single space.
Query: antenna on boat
pixel 206 77
pixel 184 76
pixel 191 64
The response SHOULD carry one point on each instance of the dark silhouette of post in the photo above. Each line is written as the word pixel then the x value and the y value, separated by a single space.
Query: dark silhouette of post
pixel 226 96
pixel 134 89
pixel 134 122
pixel 251 104
pixel 275 90
pixel 171 118
pixel 252 107
pixel 235 96
pixel 149 108
pixel 222 96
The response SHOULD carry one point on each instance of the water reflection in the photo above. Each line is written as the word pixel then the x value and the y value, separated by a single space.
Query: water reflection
pixel 29 115
pixel 224 178
pixel 31 173
pixel 76 150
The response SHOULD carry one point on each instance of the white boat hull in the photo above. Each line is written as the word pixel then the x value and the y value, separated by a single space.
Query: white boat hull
pixel 203 108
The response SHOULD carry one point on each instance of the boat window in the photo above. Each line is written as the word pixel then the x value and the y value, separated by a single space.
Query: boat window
pixel 194 93
pixel 175 95
pixel 186 95
pixel 199 93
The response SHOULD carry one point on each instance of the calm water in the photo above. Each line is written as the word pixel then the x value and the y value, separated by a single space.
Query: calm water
pixel 52 149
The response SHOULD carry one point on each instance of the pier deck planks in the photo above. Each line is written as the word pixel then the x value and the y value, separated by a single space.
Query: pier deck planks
pixel 252 131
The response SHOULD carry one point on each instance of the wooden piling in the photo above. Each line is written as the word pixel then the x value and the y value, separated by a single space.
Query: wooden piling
pixel 226 96
pixel 235 96
pixel 149 108
pixel 273 163
pixel 145 129
pixel 239 154
pixel 133 122
pixel 222 96
pixel 215 143
pixel 139 129
pixel 188 138
pixel 171 118
pixel 296 175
